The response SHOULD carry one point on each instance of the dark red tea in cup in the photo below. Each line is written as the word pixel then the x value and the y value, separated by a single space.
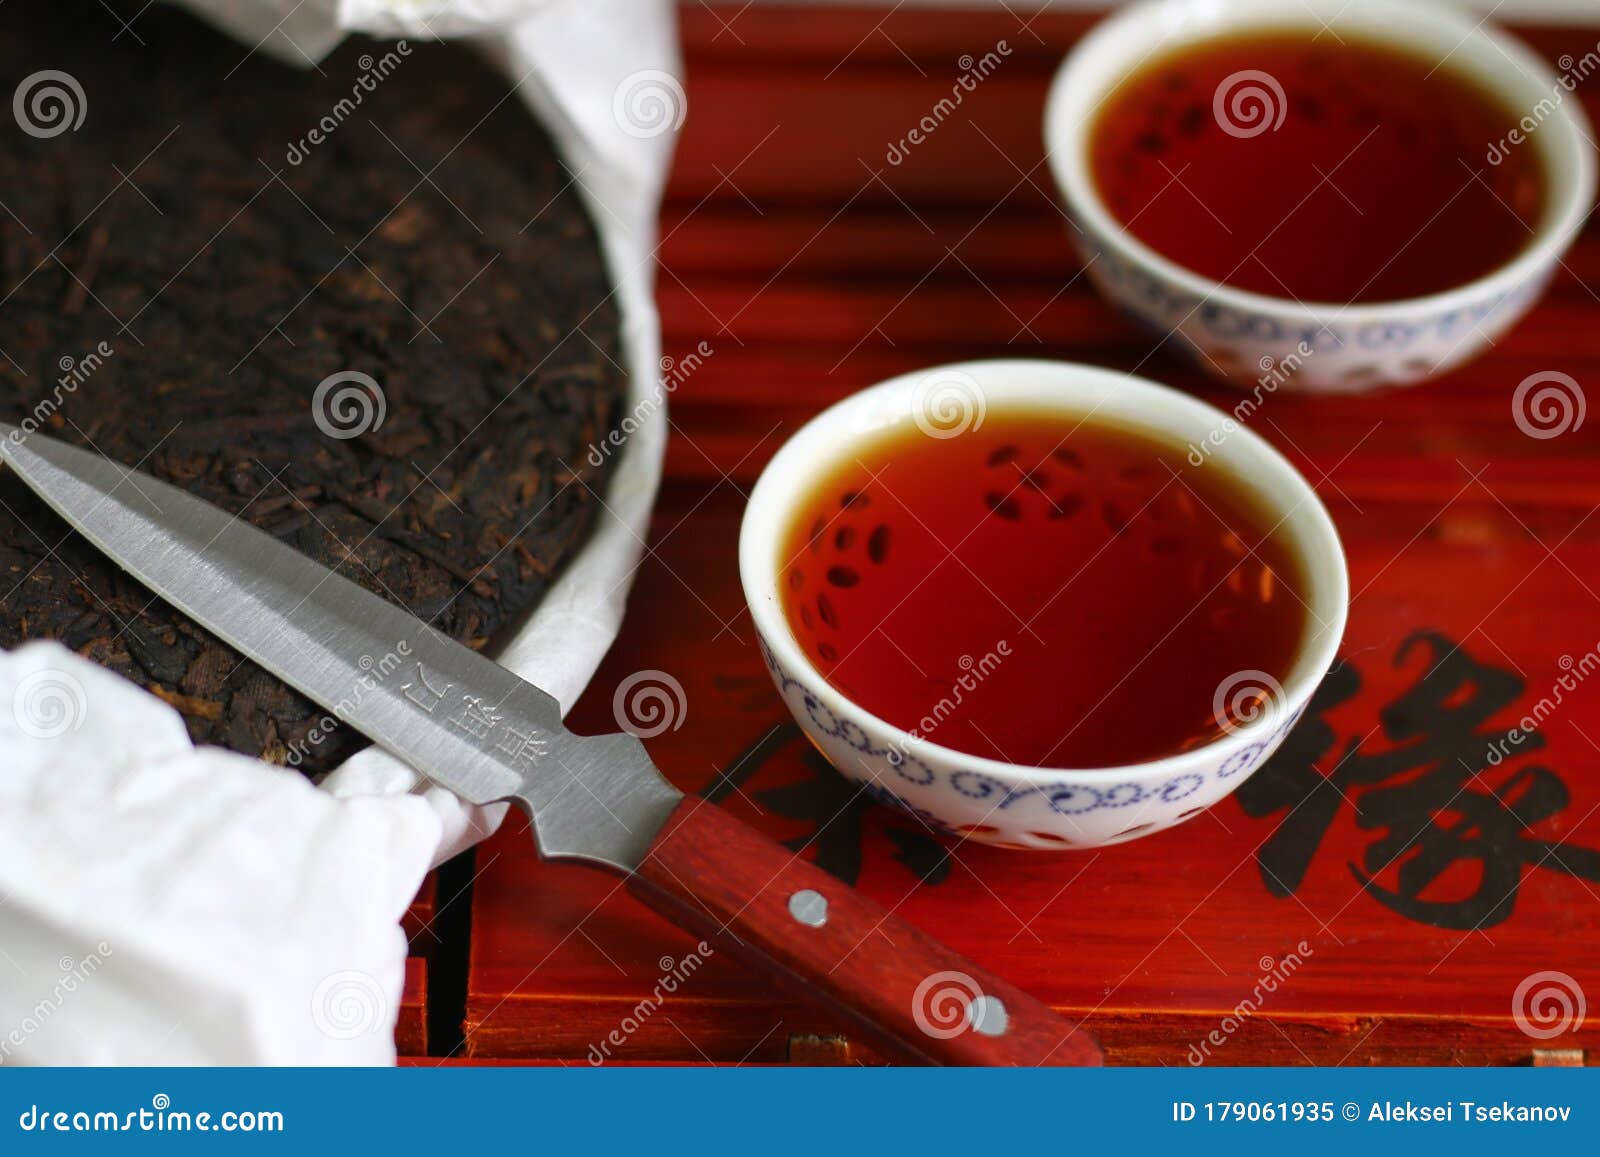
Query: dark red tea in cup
pixel 1317 168
pixel 1042 590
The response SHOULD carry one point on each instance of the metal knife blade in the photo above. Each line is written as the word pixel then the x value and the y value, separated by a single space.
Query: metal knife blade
pixel 463 721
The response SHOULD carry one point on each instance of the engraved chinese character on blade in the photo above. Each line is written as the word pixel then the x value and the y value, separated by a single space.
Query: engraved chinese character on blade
pixel 521 744
pixel 424 693
pixel 476 717
pixel 525 748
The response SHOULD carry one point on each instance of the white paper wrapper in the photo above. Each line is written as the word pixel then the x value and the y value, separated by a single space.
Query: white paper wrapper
pixel 161 904
pixel 164 904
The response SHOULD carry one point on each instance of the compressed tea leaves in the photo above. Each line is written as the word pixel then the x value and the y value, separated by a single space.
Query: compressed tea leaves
pixel 364 310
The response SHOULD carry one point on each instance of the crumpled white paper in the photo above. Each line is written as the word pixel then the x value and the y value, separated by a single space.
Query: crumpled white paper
pixel 167 904
pixel 162 904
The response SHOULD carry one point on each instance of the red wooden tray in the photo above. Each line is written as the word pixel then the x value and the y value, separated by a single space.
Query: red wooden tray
pixel 1380 893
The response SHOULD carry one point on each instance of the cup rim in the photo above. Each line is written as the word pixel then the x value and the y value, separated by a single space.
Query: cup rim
pixel 824 441
pixel 1571 192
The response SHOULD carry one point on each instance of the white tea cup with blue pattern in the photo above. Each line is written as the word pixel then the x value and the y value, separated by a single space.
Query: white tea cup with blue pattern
pixel 1271 342
pixel 1011 804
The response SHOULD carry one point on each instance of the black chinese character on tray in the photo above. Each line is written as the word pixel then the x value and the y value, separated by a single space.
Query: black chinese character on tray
pixel 1435 798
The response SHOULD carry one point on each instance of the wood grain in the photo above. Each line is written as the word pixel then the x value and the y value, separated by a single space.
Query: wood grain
pixel 896 986
pixel 411 1026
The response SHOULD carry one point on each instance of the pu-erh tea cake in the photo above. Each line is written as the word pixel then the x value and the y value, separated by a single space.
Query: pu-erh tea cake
pixel 361 306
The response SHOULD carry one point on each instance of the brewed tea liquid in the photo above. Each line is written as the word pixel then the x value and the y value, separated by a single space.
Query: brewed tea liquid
pixel 1375 185
pixel 1039 590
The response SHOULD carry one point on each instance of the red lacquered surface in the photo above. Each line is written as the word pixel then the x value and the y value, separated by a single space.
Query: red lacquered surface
pixel 1425 883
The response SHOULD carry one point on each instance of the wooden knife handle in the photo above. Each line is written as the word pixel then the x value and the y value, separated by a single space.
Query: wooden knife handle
pixel 898 988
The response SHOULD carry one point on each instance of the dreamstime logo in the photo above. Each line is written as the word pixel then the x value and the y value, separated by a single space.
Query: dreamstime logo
pixel 1548 404
pixel 1248 103
pixel 74 372
pixel 348 404
pixel 347 1005
pixel 649 103
pixel 1275 973
pixel 973 73
pixel 73 975
pixel 49 103
pixel 674 372
pixel 948 403
pixel 947 1004
pixel 1244 697
pixel 1547 1004
pixel 1573 73
pixel 1573 674
pixel 973 674
pixel 1274 373
pixel 49 704
pixel 674 975
pixel 649 703
pixel 373 73
pixel 374 674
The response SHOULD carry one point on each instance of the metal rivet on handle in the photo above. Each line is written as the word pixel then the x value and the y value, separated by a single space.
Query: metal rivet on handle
pixel 988 1015
pixel 809 908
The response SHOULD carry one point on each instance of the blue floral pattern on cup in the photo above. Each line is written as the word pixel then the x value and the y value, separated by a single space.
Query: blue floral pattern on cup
pixel 1245 344
pixel 905 780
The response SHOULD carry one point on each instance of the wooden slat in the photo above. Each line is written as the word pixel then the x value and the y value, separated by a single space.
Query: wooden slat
pixel 411 1029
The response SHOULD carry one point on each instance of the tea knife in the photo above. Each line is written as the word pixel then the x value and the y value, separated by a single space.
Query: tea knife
pixel 473 727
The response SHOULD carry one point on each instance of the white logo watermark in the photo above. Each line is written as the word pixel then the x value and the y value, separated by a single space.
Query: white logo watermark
pixel 649 103
pixel 973 73
pixel 1244 697
pixel 673 975
pixel 947 1004
pixel 1548 404
pixel 348 404
pixel 49 103
pixel 73 975
pixel 373 71
pixel 649 703
pixel 948 403
pixel 1274 974
pixel 1547 1004
pixel 49 704
pixel 674 372
pixel 1248 103
pixel 348 1004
